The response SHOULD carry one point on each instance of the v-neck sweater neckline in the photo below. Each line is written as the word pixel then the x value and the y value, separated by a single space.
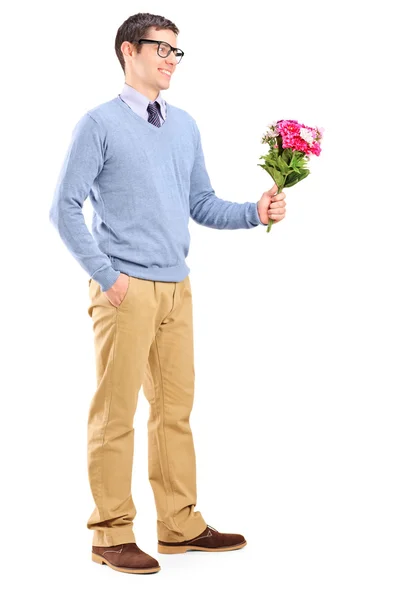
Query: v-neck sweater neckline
pixel 145 123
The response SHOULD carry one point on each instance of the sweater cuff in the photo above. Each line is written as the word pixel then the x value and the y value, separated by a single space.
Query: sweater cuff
pixel 254 216
pixel 106 277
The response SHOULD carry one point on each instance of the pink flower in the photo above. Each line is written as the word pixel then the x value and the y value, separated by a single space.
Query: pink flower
pixel 298 136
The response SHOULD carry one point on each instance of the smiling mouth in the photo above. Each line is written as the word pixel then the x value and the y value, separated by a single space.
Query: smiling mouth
pixel 165 74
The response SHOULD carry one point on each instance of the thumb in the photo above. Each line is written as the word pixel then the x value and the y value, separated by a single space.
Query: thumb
pixel 273 190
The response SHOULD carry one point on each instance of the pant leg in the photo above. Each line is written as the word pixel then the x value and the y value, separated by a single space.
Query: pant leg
pixel 168 385
pixel 122 338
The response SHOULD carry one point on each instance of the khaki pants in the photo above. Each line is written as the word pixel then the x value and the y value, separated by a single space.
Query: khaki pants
pixel 147 340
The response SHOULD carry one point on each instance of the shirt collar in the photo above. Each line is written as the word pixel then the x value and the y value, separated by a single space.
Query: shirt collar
pixel 138 102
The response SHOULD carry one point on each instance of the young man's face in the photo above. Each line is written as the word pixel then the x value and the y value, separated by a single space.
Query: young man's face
pixel 145 69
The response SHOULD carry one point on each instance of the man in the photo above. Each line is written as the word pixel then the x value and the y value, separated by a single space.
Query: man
pixel 140 160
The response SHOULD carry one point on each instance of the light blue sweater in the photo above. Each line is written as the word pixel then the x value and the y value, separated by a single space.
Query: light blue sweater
pixel 143 182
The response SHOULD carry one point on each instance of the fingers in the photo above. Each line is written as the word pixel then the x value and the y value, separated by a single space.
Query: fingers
pixel 276 210
pixel 276 213
pixel 278 200
pixel 280 196
pixel 279 204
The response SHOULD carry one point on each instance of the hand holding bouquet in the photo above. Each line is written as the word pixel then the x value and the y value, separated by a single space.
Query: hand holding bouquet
pixel 291 144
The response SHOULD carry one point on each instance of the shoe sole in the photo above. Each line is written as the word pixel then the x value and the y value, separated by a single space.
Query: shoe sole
pixel 180 549
pixel 103 561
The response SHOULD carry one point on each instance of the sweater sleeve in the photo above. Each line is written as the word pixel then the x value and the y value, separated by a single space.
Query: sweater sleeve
pixel 209 210
pixel 82 164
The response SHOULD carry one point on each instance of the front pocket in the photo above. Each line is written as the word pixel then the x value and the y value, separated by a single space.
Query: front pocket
pixel 123 299
pixel 127 290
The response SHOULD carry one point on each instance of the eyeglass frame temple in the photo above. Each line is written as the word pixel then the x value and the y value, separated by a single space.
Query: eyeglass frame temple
pixel 162 42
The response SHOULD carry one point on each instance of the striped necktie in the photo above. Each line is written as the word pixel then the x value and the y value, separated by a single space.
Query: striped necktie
pixel 154 117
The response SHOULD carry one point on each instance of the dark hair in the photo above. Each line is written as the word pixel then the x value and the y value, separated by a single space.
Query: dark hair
pixel 136 27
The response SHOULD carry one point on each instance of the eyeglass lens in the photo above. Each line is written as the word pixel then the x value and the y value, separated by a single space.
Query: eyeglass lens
pixel 164 50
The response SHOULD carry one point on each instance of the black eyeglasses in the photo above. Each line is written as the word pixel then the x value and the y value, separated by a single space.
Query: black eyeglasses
pixel 164 49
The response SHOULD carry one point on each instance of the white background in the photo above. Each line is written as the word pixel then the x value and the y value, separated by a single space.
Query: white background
pixel 296 416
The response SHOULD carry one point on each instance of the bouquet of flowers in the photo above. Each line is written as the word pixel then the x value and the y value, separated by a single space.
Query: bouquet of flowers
pixel 290 145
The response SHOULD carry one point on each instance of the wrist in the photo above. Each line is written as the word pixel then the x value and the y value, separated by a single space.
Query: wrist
pixel 258 214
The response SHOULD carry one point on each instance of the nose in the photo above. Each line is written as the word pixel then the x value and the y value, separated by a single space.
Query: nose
pixel 171 59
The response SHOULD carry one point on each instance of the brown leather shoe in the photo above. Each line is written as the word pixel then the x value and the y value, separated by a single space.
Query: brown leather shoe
pixel 127 558
pixel 210 540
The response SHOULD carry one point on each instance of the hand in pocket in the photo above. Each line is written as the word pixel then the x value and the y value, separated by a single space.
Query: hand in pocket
pixel 116 293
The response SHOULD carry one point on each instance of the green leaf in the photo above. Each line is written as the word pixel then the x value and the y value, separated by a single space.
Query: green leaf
pixel 279 178
pixel 287 155
pixel 302 162
pixel 282 165
pixel 303 174
pixel 291 179
pixel 269 170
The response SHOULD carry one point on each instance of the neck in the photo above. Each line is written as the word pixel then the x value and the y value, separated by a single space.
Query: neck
pixel 150 92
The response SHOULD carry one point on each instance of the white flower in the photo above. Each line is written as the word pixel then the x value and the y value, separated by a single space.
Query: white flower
pixel 306 135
